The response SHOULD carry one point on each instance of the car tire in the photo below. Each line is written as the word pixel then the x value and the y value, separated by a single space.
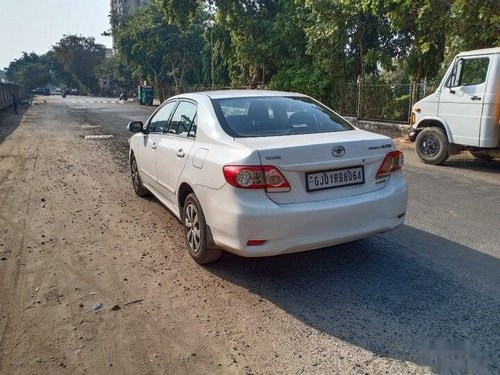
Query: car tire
pixel 432 146
pixel 195 232
pixel 481 155
pixel 139 188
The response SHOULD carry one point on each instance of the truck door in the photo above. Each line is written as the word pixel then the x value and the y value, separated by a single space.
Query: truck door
pixel 461 100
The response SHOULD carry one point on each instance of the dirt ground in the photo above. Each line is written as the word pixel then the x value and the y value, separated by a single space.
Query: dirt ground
pixel 73 235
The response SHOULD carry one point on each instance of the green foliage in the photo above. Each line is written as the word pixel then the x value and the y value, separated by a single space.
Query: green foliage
pixel 323 47
pixel 348 39
pixel 79 56
pixel 422 27
pixel 29 71
pixel 319 47
pixel 475 24
pixel 181 12
pixel 158 51
pixel 117 70
pixel 33 70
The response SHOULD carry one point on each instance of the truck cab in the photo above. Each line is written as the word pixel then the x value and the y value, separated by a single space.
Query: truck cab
pixel 463 113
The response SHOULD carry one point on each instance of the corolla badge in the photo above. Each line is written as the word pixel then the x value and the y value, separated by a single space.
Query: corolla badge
pixel 338 151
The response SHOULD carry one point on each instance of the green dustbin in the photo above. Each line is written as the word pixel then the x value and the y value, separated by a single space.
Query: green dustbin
pixel 146 95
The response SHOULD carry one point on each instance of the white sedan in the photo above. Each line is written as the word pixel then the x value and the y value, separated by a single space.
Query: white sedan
pixel 261 173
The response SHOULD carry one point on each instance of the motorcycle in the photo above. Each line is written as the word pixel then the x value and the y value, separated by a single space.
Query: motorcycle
pixel 123 96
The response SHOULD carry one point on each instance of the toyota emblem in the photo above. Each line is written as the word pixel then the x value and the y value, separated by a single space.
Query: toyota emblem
pixel 338 151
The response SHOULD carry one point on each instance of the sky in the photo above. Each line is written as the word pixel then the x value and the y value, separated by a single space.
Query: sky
pixel 37 25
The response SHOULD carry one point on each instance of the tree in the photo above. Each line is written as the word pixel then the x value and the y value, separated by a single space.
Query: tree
pixel 318 45
pixel 181 12
pixel 116 70
pixel 159 51
pixel 420 26
pixel 29 71
pixel 349 39
pixel 240 38
pixel 79 56
pixel 475 24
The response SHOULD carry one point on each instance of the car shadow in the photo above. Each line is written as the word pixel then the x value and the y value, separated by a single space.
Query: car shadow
pixel 386 295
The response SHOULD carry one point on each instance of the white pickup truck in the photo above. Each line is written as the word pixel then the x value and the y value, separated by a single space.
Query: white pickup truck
pixel 463 113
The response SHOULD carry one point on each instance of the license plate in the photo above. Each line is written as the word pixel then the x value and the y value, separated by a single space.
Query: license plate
pixel 335 178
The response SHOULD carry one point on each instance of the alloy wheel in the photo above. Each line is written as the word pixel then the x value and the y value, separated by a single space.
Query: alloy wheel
pixel 192 227
pixel 136 181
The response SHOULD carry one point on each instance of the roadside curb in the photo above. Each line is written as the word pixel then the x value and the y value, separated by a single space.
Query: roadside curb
pixel 393 130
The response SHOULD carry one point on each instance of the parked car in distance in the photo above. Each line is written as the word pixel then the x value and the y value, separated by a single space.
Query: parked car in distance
pixel 260 173
pixel 41 91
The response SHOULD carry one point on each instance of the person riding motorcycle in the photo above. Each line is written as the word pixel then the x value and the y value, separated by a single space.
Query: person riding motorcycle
pixel 123 96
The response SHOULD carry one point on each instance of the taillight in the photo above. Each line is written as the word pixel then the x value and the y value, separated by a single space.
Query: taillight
pixel 393 162
pixel 256 177
pixel 255 242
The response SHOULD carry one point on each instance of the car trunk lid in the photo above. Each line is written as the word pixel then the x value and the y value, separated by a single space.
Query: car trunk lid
pixel 313 163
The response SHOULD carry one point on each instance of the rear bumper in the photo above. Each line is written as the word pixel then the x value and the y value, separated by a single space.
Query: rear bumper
pixel 288 228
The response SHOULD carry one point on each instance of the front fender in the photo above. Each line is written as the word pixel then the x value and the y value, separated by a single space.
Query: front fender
pixel 430 121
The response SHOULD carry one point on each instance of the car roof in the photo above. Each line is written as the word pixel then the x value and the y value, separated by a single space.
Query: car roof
pixel 225 94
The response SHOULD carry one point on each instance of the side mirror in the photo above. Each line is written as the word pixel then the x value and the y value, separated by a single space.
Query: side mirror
pixel 135 127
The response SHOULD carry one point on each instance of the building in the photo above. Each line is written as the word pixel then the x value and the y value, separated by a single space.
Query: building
pixel 121 8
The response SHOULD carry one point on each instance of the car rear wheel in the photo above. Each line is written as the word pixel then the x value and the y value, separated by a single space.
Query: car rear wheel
pixel 139 188
pixel 195 232
pixel 432 146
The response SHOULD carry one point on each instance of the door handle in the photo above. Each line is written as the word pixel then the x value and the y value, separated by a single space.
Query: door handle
pixel 153 146
pixel 475 97
pixel 180 153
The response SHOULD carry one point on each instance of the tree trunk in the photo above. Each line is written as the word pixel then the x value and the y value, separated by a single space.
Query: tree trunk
pixel 361 57
pixel 420 72
pixel 159 90
pixel 173 74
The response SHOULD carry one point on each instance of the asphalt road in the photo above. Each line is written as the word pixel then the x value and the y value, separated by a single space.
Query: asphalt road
pixel 452 228
pixel 422 298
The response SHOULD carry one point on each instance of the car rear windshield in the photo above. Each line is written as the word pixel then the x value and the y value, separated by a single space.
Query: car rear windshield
pixel 276 115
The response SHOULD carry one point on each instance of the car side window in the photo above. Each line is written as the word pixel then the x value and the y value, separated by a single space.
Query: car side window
pixel 474 71
pixel 183 121
pixel 159 122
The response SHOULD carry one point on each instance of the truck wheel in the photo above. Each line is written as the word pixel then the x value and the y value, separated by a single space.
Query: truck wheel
pixel 432 146
pixel 481 155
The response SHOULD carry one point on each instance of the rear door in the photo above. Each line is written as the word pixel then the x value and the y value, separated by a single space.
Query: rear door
pixel 174 147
